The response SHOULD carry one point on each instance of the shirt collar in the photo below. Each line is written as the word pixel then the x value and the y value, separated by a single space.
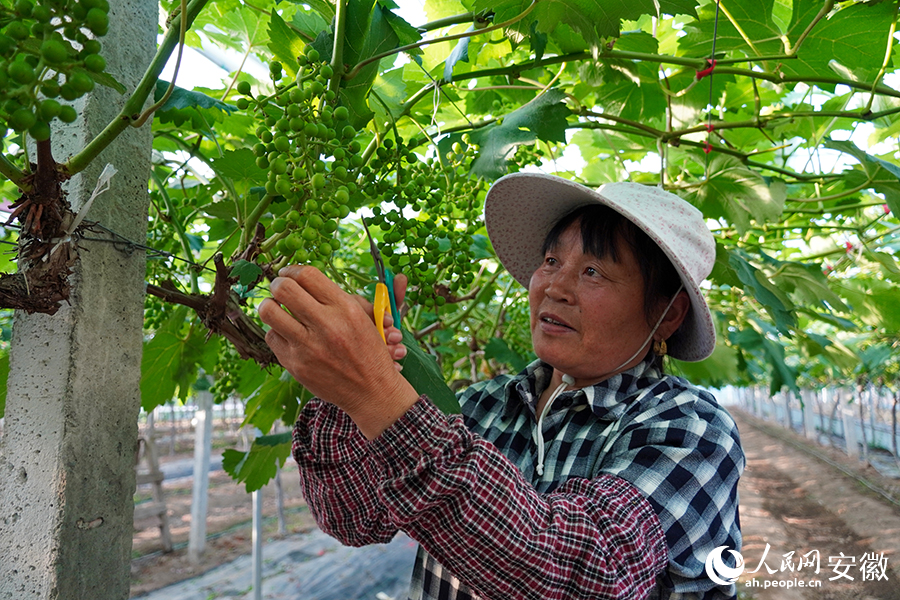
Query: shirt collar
pixel 608 399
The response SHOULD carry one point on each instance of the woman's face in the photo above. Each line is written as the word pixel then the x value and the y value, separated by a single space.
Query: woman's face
pixel 587 314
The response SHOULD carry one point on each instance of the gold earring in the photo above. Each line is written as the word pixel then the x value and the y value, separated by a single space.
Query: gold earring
pixel 659 347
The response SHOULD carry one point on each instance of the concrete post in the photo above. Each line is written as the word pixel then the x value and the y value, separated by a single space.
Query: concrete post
pixel 850 437
pixel 202 450
pixel 67 474
pixel 809 414
pixel 257 542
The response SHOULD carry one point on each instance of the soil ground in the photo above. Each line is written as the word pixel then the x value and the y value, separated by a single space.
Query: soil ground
pixel 791 502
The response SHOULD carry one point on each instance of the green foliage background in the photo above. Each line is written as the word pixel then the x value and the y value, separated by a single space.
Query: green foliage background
pixel 789 147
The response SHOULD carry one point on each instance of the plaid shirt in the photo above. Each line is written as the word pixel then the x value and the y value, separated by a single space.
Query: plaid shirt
pixel 639 486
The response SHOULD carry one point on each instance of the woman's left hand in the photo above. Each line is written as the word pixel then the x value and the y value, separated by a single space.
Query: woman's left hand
pixel 327 341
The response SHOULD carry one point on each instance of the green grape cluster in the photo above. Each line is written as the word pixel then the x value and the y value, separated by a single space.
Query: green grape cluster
pixel 156 312
pixel 311 153
pixel 426 210
pixel 227 374
pixel 432 247
pixel 48 52
pixel 526 155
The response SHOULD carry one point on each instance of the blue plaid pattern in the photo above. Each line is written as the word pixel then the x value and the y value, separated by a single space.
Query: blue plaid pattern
pixel 670 440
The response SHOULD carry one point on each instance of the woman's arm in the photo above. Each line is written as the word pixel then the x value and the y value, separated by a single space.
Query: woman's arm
pixel 471 509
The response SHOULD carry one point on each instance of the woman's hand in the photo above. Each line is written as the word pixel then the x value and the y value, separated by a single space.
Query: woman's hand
pixel 393 335
pixel 326 339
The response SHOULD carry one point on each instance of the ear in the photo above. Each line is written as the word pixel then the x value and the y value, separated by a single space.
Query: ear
pixel 675 317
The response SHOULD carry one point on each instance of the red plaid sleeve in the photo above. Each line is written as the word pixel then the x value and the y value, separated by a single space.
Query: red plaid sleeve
pixel 470 508
pixel 337 477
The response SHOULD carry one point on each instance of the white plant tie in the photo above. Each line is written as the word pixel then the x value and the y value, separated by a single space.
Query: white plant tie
pixel 102 186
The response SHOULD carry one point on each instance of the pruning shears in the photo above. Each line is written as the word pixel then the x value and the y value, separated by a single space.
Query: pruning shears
pixel 384 289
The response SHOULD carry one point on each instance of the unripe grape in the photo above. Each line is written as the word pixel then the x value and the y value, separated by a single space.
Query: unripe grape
pixel 283 187
pixel 90 46
pixel 326 71
pixel 262 161
pixel 310 129
pixel 97 21
pixel 342 195
pixel 278 166
pixel 81 81
pixel 294 217
pixel 316 88
pixel 20 72
pixel 297 123
pixel 282 143
pixel 40 131
pixel 49 109
pixel 17 30
pixel 312 54
pixel 67 114
pixel 319 166
pixel 298 173
pixel 279 225
pixel 329 95
pixel 293 242
pixel 267 136
pixel 309 234
pixel 275 66
pixel 318 181
pixel 242 104
pixel 322 131
pixel 22 119
pixel 24 7
pixel 341 113
pixel 95 63
pixel 243 88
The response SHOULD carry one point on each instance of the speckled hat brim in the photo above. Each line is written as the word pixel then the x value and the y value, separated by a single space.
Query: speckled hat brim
pixel 520 210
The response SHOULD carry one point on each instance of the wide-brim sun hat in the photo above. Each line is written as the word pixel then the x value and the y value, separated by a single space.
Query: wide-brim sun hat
pixel 520 210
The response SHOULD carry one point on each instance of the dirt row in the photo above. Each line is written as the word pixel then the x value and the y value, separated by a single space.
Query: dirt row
pixel 797 505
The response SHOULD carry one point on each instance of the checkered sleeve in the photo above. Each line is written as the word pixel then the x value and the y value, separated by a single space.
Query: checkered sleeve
pixel 337 478
pixel 685 457
pixel 470 508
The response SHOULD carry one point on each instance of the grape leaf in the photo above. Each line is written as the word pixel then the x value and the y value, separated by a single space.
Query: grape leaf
pixel 739 194
pixel 246 272
pixel 856 37
pixel 171 360
pixel 256 467
pixel 277 398
pixel 182 98
pixel 239 165
pixel 543 118
pixel 766 293
pixel 460 53
pixel 595 20
pixel 284 43
pixel 424 374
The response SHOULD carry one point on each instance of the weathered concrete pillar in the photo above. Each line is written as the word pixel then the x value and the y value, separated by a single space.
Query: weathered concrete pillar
pixel 809 414
pixel 850 437
pixel 202 451
pixel 67 462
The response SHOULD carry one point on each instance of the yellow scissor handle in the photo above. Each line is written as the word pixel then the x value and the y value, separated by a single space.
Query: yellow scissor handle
pixel 382 304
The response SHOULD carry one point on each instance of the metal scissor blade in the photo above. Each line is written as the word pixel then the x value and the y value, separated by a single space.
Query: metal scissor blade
pixel 376 254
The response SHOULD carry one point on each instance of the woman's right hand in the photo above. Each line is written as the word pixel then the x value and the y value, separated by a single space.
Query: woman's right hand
pixel 393 335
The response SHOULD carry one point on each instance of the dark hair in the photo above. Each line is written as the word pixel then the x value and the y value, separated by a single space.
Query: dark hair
pixel 602 230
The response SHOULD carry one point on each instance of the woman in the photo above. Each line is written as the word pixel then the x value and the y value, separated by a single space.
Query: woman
pixel 591 474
